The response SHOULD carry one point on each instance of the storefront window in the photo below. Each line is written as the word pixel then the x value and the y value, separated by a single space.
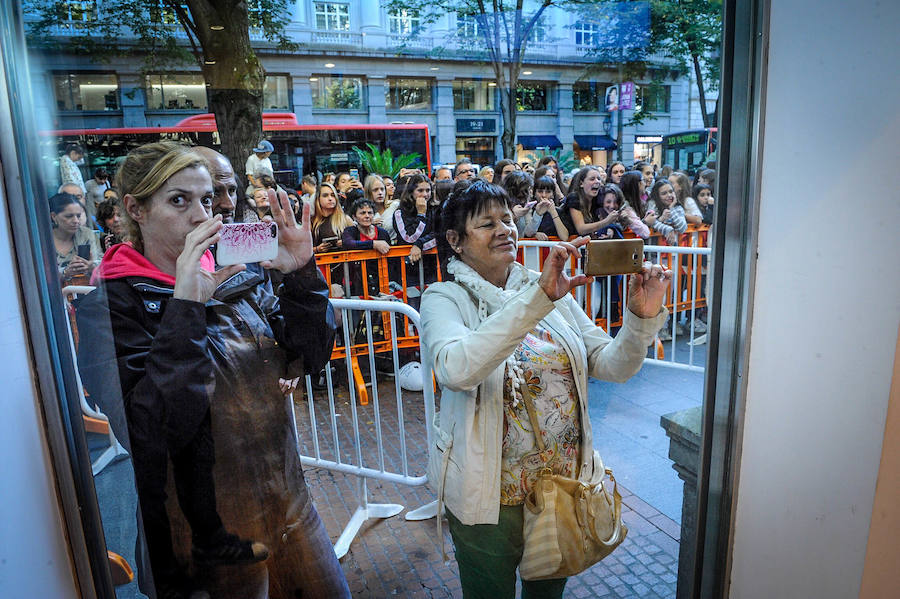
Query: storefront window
pixel 533 96
pixel 588 96
pixel 653 98
pixel 86 91
pixel 176 92
pixel 339 93
pixel 408 94
pixel 332 16
pixel 470 94
pixel 276 93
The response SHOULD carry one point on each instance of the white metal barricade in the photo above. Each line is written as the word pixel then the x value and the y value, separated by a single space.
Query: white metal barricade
pixel 115 449
pixel 602 287
pixel 374 462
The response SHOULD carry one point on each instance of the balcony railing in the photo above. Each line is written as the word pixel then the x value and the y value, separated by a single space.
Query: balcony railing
pixel 411 42
pixel 338 38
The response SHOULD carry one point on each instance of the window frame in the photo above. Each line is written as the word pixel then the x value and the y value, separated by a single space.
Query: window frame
pixel 600 96
pixel 164 107
pixel 342 15
pixel 639 98
pixel 548 95
pixel 589 32
pixel 389 89
pixel 318 80
pixel 490 95
pixel 288 88
pixel 467 25
pixel 69 75
pixel 404 25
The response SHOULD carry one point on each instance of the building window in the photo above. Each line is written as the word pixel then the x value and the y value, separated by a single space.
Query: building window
pixel 176 91
pixel 404 21
pixel 339 93
pixel 587 34
pixel 78 14
pixel 653 98
pixel 332 16
pixel 408 94
pixel 588 96
pixel 86 91
pixel 164 13
pixel 539 32
pixel 276 93
pixel 471 94
pixel 533 96
pixel 467 25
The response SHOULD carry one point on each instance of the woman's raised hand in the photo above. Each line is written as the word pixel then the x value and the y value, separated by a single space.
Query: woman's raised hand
pixel 192 281
pixel 554 280
pixel 648 289
pixel 295 244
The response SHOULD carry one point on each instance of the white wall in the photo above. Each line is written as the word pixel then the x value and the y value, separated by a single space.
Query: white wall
pixel 34 559
pixel 827 302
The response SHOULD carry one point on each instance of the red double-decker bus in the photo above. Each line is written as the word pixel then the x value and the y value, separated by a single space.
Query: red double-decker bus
pixel 299 149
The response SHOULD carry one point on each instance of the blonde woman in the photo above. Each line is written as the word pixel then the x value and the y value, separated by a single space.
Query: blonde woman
pixel 329 221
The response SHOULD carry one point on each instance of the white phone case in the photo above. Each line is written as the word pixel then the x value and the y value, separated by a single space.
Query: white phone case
pixel 243 243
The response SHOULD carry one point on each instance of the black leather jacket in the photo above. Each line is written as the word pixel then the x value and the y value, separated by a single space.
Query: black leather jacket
pixel 171 354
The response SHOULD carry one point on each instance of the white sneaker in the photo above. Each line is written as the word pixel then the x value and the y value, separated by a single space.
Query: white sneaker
pixel 699 326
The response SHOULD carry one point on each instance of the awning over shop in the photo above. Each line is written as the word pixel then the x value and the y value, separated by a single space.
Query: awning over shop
pixel 598 142
pixel 532 142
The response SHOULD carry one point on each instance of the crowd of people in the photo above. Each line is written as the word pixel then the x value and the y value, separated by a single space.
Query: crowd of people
pixel 172 348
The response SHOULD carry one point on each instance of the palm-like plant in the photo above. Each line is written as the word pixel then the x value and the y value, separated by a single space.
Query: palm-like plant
pixel 384 162
pixel 565 160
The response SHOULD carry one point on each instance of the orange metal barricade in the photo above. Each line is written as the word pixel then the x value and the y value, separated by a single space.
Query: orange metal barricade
pixel 359 263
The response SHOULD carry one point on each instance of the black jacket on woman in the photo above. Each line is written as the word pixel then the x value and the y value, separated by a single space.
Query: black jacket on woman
pixel 161 368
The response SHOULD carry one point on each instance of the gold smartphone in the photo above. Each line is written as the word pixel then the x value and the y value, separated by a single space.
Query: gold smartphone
pixel 612 257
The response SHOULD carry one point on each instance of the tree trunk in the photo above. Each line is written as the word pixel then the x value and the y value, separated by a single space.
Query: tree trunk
pixel 699 75
pixel 234 76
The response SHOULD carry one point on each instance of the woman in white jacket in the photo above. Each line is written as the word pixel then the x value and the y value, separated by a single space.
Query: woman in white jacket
pixel 498 330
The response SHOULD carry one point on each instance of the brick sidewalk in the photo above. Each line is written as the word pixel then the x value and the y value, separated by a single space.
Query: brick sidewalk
pixel 397 558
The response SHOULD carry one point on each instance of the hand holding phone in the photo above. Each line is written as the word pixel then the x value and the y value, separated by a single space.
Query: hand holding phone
pixel 613 257
pixel 242 243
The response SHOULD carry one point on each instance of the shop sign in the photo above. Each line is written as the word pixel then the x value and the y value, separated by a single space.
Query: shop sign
pixel 476 125
pixel 648 139
pixel 341 157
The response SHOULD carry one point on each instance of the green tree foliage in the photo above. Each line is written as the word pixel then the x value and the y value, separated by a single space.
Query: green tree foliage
pixel 214 34
pixel 384 162
pixel 565 160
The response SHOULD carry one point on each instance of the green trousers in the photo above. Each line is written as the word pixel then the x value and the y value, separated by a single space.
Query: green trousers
pixel 488 555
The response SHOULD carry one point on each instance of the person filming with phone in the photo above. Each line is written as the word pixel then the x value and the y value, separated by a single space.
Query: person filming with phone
pixel 78 249
pixel 185 360
pixel 512 353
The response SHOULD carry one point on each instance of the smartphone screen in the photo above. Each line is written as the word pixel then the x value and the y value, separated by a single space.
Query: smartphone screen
pixel 84 251
pixel 243 243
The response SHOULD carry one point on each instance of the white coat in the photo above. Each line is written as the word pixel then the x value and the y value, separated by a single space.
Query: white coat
pixel 469 331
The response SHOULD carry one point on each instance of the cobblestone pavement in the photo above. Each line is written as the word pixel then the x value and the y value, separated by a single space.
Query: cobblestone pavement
pixel 397 558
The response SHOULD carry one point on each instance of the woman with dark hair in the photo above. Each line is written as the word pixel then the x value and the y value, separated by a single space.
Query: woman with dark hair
pixel 508 343
pixel 613 209
pixel 545 213
pixel 412 220
pixel 549 170
pixel 110 219
pixel 78 250
pixel 503 168
pixel 704 198
pixel 442 191
pixel 665 171
pixel 614 172
pixel 580 203
pixel 670 222
pixel 707 176
pixel 518 186
pixel 632 186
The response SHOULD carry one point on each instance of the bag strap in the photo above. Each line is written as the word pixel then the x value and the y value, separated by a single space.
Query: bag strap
pixel 532 416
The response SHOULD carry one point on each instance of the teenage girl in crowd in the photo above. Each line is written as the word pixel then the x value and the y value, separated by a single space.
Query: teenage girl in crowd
pixel 704 198
pixel 375 191
pixel 579 205
pixel 518 186
pixel 110 219
pixel 633 191
pixel 614 172
pixel 330 221
pixel 682 186
pixel 503 168
pixel 544 212
pixel 670 222
pixel 551 163
pixel 613 210
pixel 412 219
pixel 646 170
